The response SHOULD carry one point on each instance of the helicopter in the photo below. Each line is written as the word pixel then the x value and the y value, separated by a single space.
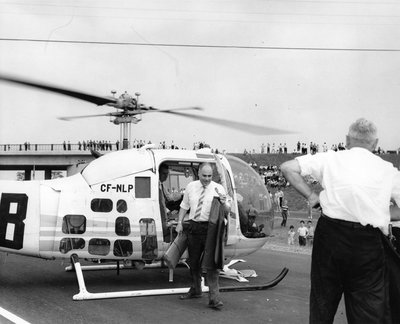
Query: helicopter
pixel 112 210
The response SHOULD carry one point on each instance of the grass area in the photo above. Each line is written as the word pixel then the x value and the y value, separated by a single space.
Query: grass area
pixel 279 238
pixel 296 202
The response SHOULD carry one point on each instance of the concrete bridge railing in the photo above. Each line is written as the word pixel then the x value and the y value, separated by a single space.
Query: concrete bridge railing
pixel 27 147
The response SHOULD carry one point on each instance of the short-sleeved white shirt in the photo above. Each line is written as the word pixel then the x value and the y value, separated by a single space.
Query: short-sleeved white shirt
pixel 192 195
pixel 357 185
pixel 303 231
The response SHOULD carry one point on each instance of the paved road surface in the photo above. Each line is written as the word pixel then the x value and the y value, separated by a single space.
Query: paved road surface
pixel 40 291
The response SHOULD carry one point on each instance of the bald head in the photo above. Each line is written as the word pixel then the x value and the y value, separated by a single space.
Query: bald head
pixel 362 133
pixel 205 173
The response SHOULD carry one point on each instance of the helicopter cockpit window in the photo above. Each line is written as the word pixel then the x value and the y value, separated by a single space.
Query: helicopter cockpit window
pixel 142 187
pixel 122 226
pixel 98 246
pixel 101 205
pixel 229 184
pixel 216 177
pixel 253 199
pixel 74 224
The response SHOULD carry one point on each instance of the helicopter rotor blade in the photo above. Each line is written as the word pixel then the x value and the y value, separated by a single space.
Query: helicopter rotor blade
pixel 250 128
pixel 70 93
pixel 245 127
pixel 130 113
pixel 68 118
pixel 152 109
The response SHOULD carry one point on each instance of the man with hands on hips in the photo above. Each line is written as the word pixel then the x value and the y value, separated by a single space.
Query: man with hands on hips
pixel 348 256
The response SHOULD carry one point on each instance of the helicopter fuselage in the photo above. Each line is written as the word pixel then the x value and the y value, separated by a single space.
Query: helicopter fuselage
pixel 111 210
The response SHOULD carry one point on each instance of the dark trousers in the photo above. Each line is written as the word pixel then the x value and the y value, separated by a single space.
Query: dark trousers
pixel 284 219
pixel 348 259
pixel 197 235
pixel 302 240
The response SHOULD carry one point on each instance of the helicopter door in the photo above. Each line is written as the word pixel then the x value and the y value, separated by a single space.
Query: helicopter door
pixel 226 182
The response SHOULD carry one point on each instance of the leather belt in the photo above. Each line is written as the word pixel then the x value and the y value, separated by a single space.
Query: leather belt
pixel 346 223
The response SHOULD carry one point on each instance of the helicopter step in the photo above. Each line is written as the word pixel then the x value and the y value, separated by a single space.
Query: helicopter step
pixel 84 294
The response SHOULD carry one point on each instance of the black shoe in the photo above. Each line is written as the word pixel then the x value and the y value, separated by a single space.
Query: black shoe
pixel 189 295
pixel 216 304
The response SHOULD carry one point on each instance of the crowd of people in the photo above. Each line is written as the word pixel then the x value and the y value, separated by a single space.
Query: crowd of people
pixel 272 176
pixel 93 145
pixel 103 145
pixel 303 148
pixel 136 143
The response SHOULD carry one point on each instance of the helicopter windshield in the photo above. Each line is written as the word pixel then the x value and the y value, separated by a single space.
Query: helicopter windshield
pixel 254 203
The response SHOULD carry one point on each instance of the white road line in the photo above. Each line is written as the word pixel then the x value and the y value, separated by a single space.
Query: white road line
pixel 11 317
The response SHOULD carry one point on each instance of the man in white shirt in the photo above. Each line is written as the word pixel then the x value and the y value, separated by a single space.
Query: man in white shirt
pixel 348 254
pixel 198 198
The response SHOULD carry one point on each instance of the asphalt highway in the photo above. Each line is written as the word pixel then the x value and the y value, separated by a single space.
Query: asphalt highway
pixel 40 291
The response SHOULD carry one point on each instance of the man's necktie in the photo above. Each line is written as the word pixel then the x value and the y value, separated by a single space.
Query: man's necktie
pixel 200 204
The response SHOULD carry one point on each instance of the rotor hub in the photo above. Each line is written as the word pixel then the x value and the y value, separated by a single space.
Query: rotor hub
pixel 125 120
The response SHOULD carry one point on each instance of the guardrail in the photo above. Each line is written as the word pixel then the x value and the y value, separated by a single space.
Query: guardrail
pixel 57 147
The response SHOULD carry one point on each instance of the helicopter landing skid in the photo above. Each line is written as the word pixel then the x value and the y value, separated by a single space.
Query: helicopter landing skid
pixel 119 267
pixel 84 294
pixel 95 267
pixel 268 285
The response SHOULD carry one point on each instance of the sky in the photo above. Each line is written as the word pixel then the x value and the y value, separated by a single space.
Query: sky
pixel 308 67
